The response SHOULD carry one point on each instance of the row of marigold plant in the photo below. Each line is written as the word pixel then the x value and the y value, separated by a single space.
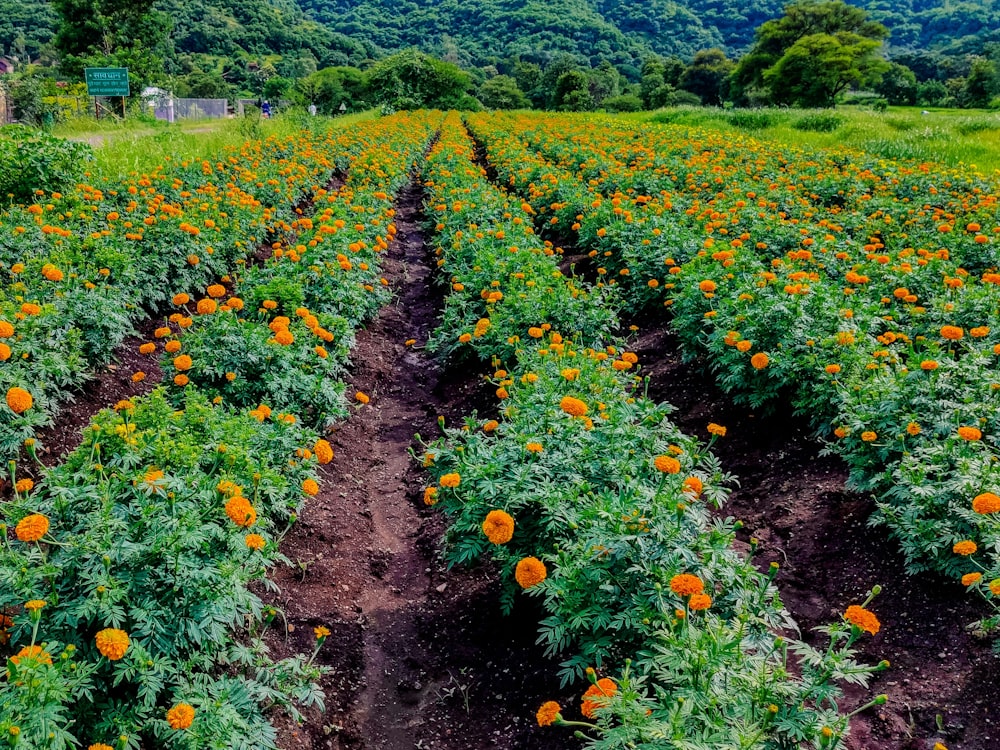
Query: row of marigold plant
pixel 589 498
pixel 80 268
pixel 861 290
pixel 130 575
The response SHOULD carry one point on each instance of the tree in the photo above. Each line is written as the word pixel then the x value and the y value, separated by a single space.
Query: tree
pixel 655 89
pixel 898 85
pixel 815 38
pixel 502 92
pixel 412 80
pixel 573 92
pixel 331 87
pixel 981 83
pixel 708 76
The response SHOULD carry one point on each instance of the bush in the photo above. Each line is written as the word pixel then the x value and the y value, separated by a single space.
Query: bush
pixel 623 103
pixel 819 122
pixel 30 161
pixel 750 119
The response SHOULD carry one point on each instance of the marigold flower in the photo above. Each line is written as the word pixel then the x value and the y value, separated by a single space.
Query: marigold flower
pixel 980 332
pixel 498 526
pixel 32 528
pixel 534 447
pixel 707 285
pixel 970 433
pixel 240 511
pixel 832 369
pixel 19 400
pixel 100 746
pixel 180 716
pixel 181 380
pixel 361 398
pixel 667 464
pixel 33 653
pixel 986 503
pixel 451 480
pixel 686 584
pixel 310 487
pixel 863 619
pixel 693 485
pixel 172 347
pixel 597 696
pixel 965 548
pixel 181 299
pixel 254 541
pixel 34 605
pixel 928 365
pixel 430 495
pixel 216 290
pixel 490 425
pixel 321 632
pixel 760 360
pixel 970 579
pixel 112 643
pixel 530 571
pixel 952 333
pixel 913 428
pixel 182 362
pixel 716 429
pixel 744 345
pixel 573 406
pixel 548 714
pixel 6 330
pixel 284 337
pixel 323 451
pixel 699 602
pixel 535 332
pixel 995 587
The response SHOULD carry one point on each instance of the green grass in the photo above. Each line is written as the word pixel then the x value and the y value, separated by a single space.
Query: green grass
pixel 123 147
pixel 954 137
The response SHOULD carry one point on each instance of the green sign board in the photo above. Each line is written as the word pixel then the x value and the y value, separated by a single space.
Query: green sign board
pixel 107 81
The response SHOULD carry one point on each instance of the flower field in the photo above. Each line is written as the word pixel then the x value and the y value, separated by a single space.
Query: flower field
pixel 138 607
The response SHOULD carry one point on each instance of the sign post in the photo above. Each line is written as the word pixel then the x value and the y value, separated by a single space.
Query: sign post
pixel 107 82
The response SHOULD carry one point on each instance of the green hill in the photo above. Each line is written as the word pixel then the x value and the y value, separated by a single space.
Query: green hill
pixel 483 32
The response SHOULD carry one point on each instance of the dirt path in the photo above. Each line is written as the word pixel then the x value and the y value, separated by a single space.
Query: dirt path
pixel 421 657
pixel 793 501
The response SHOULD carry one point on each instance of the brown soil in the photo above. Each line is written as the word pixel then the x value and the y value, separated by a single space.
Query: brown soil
pixel 420 657
pixel 794 502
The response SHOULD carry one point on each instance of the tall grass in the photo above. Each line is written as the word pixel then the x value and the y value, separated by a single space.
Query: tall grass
pixel 952 137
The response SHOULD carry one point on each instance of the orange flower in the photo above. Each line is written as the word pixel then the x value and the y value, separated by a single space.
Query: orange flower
pixel 34 653
pixel 430 495
pixel 498 526
pixel 970 579
pixel 707 285
pixel 744 346
pixel 986 503
pixel 490 425
pixel 535 332
pixel 112 643
pixel 207 306
pixel 952 333
pixel 980 332
pixel 699 602
pixel 172 347
pixel 240 511
pixel 323 451
pixel 869 436
pixel 913 428
pixel 832 369
pixel 530 571
pixel 181 380
pixel 6 330
pixel 716 429
pixel 685 584
pixel 597 696
pixel 928 365
pixel 451 480
pixel 181 299
pixel 24 485
pixel 573 406
pixel 183 362
pixel 310 487
pixel 216 290
pixel 548 714
pixel 965 548
pixel 969 433
pixel 760 360
pixel 19 400
pixel 534 448
pixel 361 398
pixel 180 716
pixel 862 618
pixel 254 541
pixel 32 528
pixel 284 337
pixel 667 464
pixel 693 485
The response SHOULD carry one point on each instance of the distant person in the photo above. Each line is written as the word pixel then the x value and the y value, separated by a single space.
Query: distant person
pixel 265 109
pixel 312 110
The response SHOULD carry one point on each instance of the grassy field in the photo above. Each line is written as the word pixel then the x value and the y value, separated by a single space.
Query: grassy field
pixel 123 147
pixel 950 136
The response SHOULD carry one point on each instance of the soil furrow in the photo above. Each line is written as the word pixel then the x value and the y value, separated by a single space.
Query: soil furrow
pixel 420 656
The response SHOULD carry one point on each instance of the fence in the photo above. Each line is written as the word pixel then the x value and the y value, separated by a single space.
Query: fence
pixel 172 109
